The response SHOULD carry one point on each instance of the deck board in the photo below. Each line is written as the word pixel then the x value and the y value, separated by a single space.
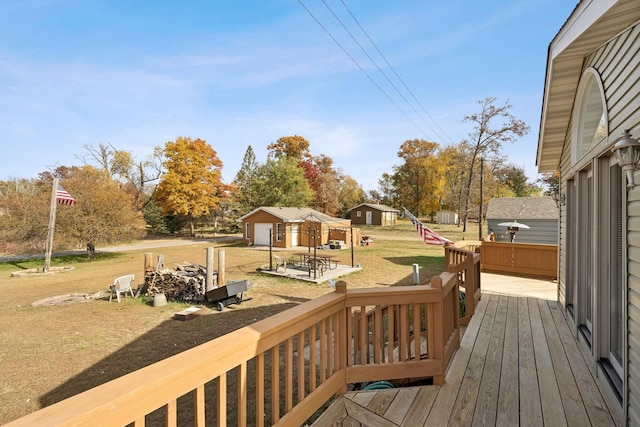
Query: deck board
pixel 575 412
pixel 448 392
pixel 463 409
pixel 508 413
pixel 398 409
pixel 487 402
pixel 518 364
pixel 530 407
pixel 551 403
pixel 597 410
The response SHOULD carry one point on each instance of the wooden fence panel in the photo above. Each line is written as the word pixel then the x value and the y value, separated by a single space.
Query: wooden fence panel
pixel 520 258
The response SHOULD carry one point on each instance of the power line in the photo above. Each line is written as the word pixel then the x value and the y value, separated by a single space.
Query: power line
pixel 396 74
pixel 361 68
pixel 376 64
pixel 364 50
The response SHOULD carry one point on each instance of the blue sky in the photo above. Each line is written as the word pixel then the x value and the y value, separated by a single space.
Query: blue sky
pixel 136 74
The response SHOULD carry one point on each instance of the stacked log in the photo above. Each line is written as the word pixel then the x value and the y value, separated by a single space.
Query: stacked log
pixel 187 283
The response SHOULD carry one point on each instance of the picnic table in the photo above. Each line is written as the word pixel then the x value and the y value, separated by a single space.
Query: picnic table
pixel 308 257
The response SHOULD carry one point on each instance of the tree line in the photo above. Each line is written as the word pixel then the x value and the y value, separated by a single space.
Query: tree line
pixel 179 186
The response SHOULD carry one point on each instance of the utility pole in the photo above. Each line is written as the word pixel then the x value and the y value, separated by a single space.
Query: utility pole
pixel 481 198
pixel 51 228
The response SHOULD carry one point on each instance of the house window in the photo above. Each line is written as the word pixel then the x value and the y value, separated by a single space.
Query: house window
pixel 584 253
pixel 247 230
pixel 596 275
pixel 571 259
pixel 279 232
pixel 359 214
pixel 590 117
pixel 611 277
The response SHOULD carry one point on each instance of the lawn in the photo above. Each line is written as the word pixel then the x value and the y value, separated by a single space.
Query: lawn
pixel 50 353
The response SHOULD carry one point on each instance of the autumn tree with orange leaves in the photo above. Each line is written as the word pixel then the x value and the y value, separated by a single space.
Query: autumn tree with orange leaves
pixel 192 184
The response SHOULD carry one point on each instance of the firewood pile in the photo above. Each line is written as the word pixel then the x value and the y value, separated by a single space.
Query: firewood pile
pixel 187 283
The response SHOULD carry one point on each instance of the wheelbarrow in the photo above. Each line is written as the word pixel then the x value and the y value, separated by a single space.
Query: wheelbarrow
pixel 229 294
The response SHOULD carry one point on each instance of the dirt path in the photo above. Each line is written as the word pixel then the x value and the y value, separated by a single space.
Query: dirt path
pixel 141 244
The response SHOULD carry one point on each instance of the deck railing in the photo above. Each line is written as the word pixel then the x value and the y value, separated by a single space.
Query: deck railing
pixel 282 370
pixel 463 259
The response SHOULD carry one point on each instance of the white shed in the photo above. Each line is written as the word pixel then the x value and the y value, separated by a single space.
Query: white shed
pixel 446 217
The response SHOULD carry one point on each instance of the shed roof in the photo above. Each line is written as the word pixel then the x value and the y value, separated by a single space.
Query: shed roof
pixel 287 214
pixel 516 208
pixel 377 206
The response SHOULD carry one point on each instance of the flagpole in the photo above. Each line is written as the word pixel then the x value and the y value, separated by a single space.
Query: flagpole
pixel 51 228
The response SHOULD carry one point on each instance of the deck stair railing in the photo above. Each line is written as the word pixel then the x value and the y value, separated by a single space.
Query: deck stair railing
pixel 283 369
pixel 464 260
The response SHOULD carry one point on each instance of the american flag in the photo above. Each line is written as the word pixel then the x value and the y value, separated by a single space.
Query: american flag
pixel 429 236
pixel 64 198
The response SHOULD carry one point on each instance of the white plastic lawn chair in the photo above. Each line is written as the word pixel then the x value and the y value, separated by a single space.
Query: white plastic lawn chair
pixel 280 263
pixel 120 285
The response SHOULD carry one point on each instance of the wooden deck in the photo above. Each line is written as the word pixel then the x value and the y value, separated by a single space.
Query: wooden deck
pixel 518 364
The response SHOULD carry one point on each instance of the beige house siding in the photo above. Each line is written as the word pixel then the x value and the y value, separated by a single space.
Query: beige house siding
pixel 565 165
pixel 620 70
pixel 616 62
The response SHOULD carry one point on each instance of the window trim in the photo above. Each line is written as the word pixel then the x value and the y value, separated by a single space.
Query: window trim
pixel 578 154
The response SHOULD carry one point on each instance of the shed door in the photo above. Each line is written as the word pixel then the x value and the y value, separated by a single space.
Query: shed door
pixel 261 234
pixel 368 216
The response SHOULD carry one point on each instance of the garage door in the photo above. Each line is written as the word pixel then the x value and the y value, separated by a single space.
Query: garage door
pixel 294 235
pixel 261 234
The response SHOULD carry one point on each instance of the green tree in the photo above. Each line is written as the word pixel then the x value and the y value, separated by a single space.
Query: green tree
pixel 515 179
pixel 243 191
pixel 192 184
pixel 281 182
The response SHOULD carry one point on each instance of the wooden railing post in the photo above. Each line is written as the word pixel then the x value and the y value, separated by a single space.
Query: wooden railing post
pixel 343 336
pixel 470 286
pixel 437 338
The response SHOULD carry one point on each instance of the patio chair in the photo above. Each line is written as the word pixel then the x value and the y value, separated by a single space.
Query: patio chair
pixel 121 285
pixel 316 264
pixel 280 263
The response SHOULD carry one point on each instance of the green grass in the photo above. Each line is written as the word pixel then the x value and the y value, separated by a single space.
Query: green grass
pixel 58 261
